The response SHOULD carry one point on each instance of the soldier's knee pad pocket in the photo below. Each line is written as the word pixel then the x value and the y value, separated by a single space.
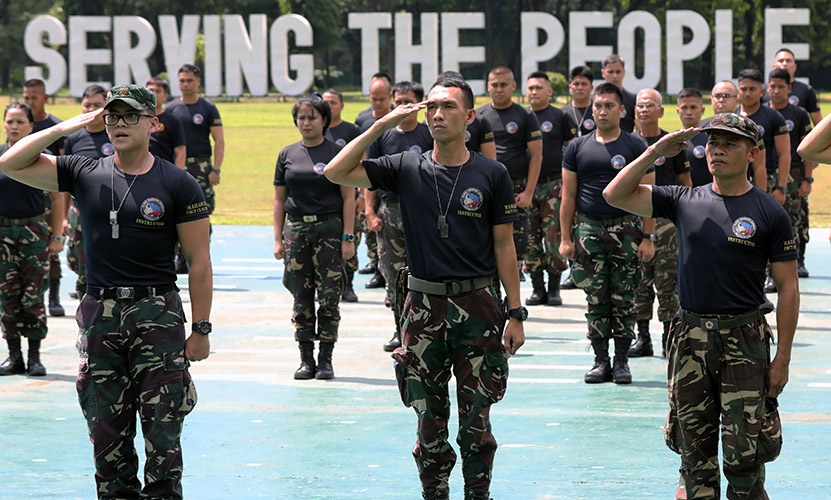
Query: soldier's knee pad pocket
pixel 672 433
pixel 493 378
pixel 403 358
pixel 177 394
pixel 770 435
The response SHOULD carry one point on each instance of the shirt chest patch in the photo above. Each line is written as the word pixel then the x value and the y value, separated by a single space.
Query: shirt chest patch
pixel 152 211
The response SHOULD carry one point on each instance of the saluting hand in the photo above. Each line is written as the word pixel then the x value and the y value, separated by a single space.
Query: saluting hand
pixel 399 114
pixel 77 122
pixel 675 142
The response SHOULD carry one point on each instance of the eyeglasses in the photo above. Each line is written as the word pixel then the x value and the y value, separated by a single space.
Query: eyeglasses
pixel 129 118
pixel 646 105
pixel 722 97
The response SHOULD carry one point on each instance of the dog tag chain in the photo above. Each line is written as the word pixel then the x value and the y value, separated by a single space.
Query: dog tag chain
pixel 115 233
pixel 442 226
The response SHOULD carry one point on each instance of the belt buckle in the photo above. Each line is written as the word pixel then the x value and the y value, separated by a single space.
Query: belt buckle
pixel 310 218
pixel 125 292
pixel 710 324
pixel 453 288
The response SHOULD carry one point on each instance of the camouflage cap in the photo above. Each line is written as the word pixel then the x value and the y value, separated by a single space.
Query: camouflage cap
pixel 136 96
pixel 735 124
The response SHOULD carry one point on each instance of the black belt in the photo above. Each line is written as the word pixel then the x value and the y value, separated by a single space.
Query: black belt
pixel 607 222
pixel 197 159
pixel 450 288
pixel 9 221
pixel 311 218
pixel 722 321
pixel 129 292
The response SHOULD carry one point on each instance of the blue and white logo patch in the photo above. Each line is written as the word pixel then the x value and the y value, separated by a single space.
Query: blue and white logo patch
pixel 341 142
pixel 618 162
pixel 789 124
pixel 318 168
pixel 699 152
pixel 660 161
pixel 467 135
pixel 588 124
pixel 546 126
pixel 107 149
pixel 744 227
pixel 416 149
pixel 152 209
pixel 511 127
pixel 472 199
pixel 761 129
pixel 793 100
pixel 198 119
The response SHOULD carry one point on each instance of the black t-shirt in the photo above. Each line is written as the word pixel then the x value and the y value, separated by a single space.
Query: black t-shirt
pixel 343 133
pixel 596 164
pixel 300 169
pixel 799 124
pixel 697 157
pixel 364 120
pixel 158 200
pixel 17 200
pixel 393 141
pixel 478 132
pixel 770 124
pixel 556 129
pixel 627 119
pixel 667 170
pixel 170 135
pixel 92 145
pixel 581 119
pixel 197 120
pixel 483 197
pixel 804 96
pixel 513 128
pixel 50 120
pixel 724 242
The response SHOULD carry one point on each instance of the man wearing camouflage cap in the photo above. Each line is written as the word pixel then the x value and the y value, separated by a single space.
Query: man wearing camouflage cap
pixel 133 352
pixel 720 371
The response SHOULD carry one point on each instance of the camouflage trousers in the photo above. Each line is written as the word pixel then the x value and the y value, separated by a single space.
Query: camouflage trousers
pixel 24 263
pixel 199 168
pixel 544 237
pixel 351 265
pixel 792 201
pixel 75 250
pixel 132 360
pixel 606 268
pixel 522 227
pixel 718 377
pixel 661 275
pixel 460 335
pixel 314 263
pixel 392 251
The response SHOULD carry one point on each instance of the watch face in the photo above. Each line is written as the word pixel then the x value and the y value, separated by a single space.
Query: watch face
pixel 202 327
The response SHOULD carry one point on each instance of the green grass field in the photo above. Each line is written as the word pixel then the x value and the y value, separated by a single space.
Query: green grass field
pixel 256 131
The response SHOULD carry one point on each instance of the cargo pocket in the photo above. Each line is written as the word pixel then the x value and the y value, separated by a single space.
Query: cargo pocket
pixel 493 378
pixel 672 433
pixel 402 359
pixel 177 394
pixel 770 435
pixel 87 398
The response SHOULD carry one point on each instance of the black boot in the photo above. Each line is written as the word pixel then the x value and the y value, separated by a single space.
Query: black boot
pixel 643 346
pixel 13 365
pixel 620 370
pixel 477 495
pixel 554 298
pixel 393 343
pixel 307 361
pixel 34 367
pixel 602 369
pixel 537 297
pixel 801 270
pixel 369 268
pixel 324 362
pixel 664 337
pixel 348 294
pixel 55 307
pixel 377 281
pixel 435 494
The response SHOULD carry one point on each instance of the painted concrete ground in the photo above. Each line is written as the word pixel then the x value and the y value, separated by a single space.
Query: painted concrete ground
pixel 257 433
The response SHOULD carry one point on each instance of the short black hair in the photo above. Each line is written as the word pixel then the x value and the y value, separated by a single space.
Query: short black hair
pixel 159 82
pixel 454 79
pixel 752 74
pixel 22 106
pixel 609 88
pixel 689 92
pixel 94 89
pixel 785 49
pixel 405 86
pixel 611 59
pixel 780 73
pixel 190 68
pixel 336 92
pixel 583 71
pixel 383 75
pixel 35 83
pixel 316 102
pixel 539 74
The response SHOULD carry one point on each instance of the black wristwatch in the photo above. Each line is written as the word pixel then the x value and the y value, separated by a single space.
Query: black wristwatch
pixel 348 237
pixel 647 236
pixel 809 179
pixel 780 188
pixel 202 327
pixel 519 313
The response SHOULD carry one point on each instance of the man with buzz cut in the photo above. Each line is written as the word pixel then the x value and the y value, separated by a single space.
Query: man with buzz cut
pixel 613 70
pixel 690 110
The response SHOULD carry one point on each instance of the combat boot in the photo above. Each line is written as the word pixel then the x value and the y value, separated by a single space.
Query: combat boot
pixel 55 307
pixel 348 294
pixel 34 367
pixel 602 369
pixel 393 343
pixel 369 268
pixel 537 297
pixel 377 281
pixel 620 370
pixel 477 495
pixel 324 362
pixel 435 494
pixel 801 270
pixel 664 337
pixel 554 298
pixel 643 346
pixel 307 362
pixel 13 365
